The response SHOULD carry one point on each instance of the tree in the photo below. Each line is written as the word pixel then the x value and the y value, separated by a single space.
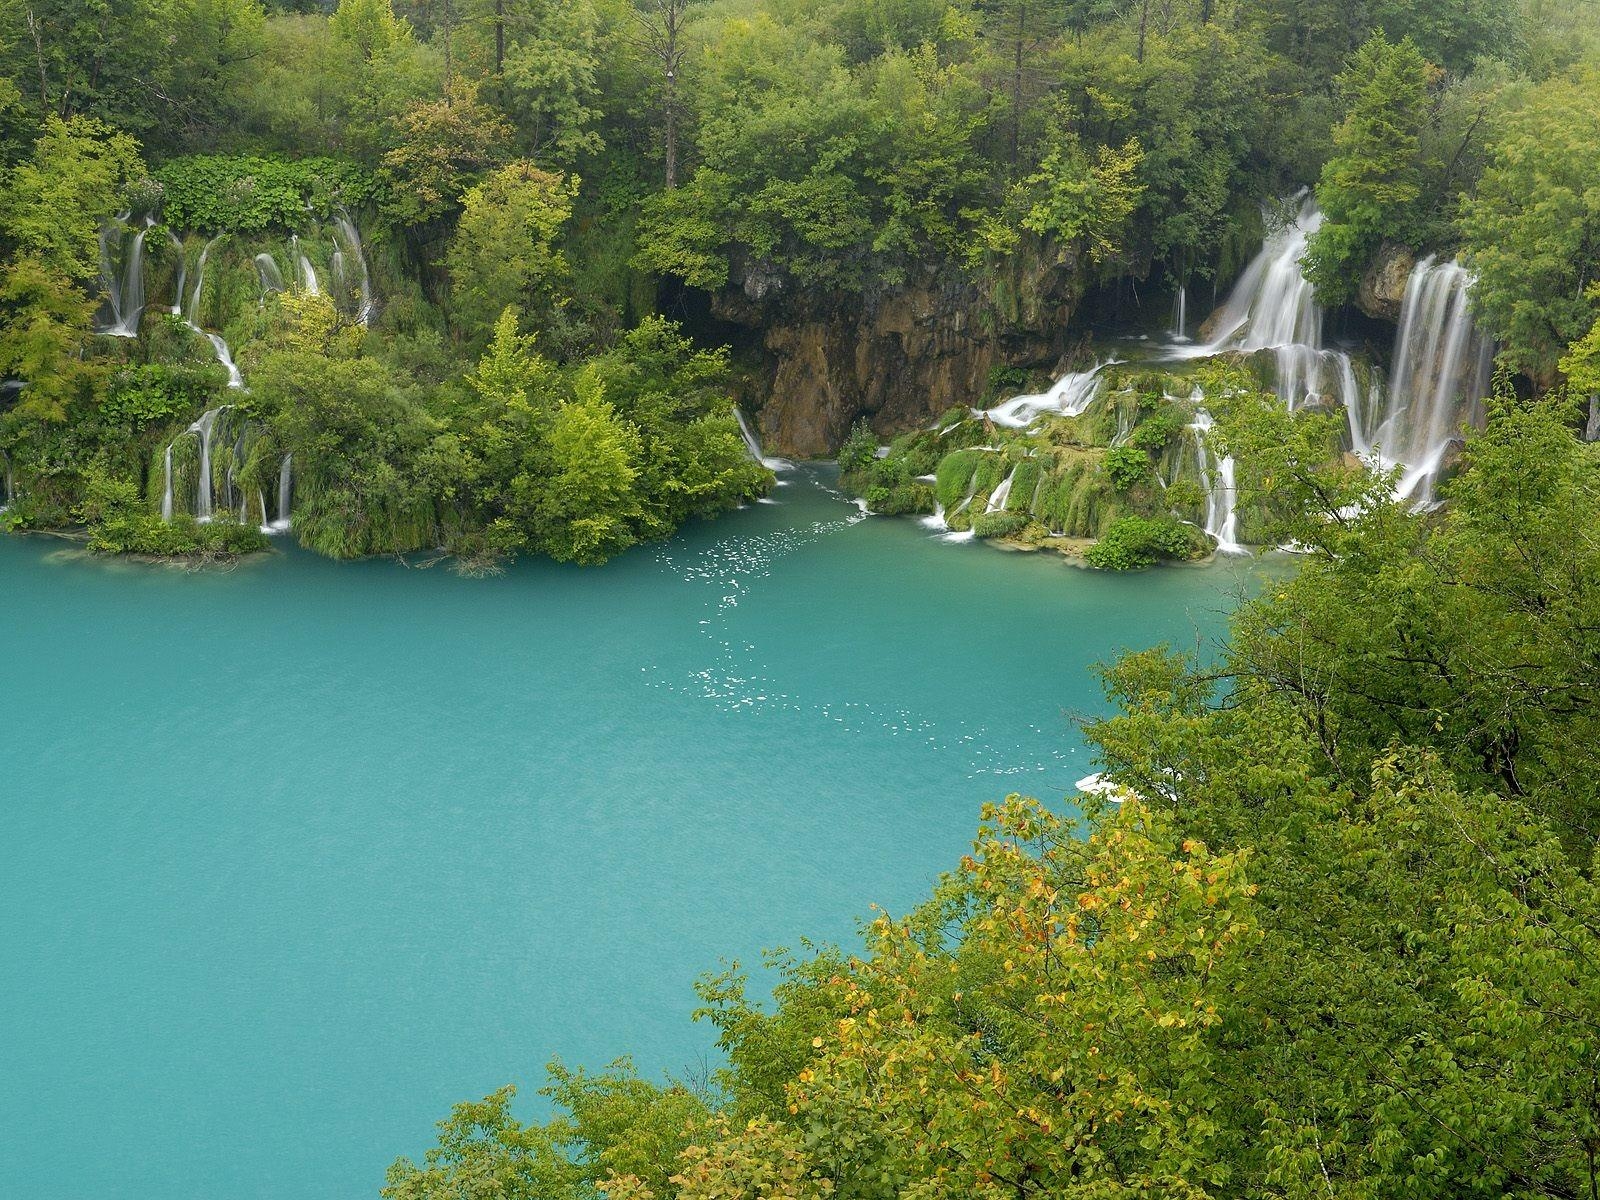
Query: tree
pixel 1369 185
pixel 584 511
pixel 658 32
pixel 439 146
pixel 504 252
pixel 1085 202
pixel 52 208
pixel 1532 231
pixel 1581 363
pixel 368 28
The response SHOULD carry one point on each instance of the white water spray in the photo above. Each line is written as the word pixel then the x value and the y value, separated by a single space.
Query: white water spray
pixel 754 446
pixel 285 487
pixel 999 497
pixel 1069 396
pixel 347 243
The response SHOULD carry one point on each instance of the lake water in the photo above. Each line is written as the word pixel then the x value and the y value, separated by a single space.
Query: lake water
pixel 295 856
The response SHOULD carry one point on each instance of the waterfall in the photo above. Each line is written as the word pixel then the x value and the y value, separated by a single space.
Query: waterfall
pixel 267 273
pixel 166 494
pixel 284 485
pixel 1217 479
pixel 124 289
pixel 754 446
pixel 203 429
pixel 347 244
pixel 1272 303
pixel 183 273
pixel 1069 396
pixel 224 356
pixel 1440 377
pixel 1273 308
pixel 193 308
pixel 1001 494
pixel 192 320
pixel 1180 315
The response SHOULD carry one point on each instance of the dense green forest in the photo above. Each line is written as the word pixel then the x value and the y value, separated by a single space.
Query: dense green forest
pixel 491 273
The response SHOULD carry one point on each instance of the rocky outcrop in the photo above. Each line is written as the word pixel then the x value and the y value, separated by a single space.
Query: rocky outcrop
pixel 899 356
pixel 1383 283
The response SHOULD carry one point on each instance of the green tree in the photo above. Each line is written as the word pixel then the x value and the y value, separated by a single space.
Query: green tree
pixel 1369 186
pixel 369 28
pixel 438 147
pixel 586 508
pixel 52 207
pixel 1532 230
pixel 505 250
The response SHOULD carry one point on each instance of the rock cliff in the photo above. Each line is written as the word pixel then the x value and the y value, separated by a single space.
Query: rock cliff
pixel 1383 283
pixel 898 356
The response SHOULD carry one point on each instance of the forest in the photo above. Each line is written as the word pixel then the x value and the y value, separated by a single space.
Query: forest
pixel 486 278
pixel 490 278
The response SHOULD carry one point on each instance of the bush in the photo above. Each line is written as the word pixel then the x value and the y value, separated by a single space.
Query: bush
pixel 119 525
pixel 860 447
pixel 1132 543
pixel 999 524
pixel 1126 466
pixel 955 474
pixel 245 193
pixel 143 395
pixel 1160 429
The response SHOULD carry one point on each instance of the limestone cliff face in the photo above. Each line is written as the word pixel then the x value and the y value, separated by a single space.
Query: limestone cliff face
pixel 1383 284
pixel 899 356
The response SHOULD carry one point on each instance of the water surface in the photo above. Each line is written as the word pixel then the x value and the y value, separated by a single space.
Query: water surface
pixel 295 856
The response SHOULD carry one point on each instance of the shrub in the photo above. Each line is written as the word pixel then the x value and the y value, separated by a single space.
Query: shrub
pixel 119 525
pixel 1132 543
pixel 245 193
pixel 999 524
pixel 1126 466
pixel 1160 429
pixel 860 447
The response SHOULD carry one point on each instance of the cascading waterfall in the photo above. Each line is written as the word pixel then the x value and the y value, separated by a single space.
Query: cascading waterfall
pixel 285 483
pixel 268 274
pixel 754 446
pixel 1273 308
pixel 124 288
pixel 225 357
pixel 1441 375
pixel 1180 315
pixel 1217 479
pixel 224 440
pixel 183 272
pixel 192 319
pixel 1001 494
pixel 203 429
pixel 192 308
pixel 1069 396
pixel 166 494
pixel 347 247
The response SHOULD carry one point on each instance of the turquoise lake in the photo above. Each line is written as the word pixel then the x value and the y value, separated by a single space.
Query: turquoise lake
pixel 297 855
